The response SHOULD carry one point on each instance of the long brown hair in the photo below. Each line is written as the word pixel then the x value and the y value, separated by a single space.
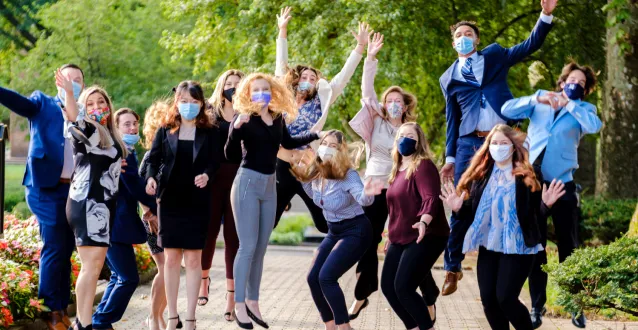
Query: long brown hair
pixel 153 118
pixel 409 112
pixel 108 133
pixel 347 157
pixel 281 101
pixel 590 76
pixel 173 119
pixel 217 100
pixel 292 77
pixel 422 152
pixel 483 161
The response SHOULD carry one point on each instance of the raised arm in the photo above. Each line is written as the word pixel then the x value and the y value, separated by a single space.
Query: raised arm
pixel 70 106
pixel 370 67
pixel 282 42
pixel 22 106
pixel 535 40
pixel 522 107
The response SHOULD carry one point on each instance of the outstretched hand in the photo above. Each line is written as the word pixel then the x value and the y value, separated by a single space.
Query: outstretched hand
pixel 555 191
pixel 451 198
pixel 375 43
pixel 548 6
pixel 362 34
pixel 284 17
pixel 63 81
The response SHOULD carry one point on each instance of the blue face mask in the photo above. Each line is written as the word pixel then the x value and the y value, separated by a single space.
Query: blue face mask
pixel 130 139
pixel 261 97
pixel 188 111
pixel 304 86
pixel 574 91
pixel 406 146
pixel 77 90
pixel 464 45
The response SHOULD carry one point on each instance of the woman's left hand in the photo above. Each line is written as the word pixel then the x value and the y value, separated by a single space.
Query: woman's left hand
pixel 422 228
pixel 553 193
pixel 372 187
pixel 201 180
pixel 362 36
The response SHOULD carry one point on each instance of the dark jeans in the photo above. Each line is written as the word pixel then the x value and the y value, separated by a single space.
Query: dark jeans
pixel 287 188
pixel 346 242
pixel 124 280
pixel 465 150
pixel 406 267
pixel 58 243
pixel 501 278
pixel 565 217
pixel 368 266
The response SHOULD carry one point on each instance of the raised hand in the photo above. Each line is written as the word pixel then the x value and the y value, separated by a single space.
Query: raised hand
pixel 553 193
pixel 241 119
pixel 451 198
pixel 151 186
pixel 201 180
pixel 63 82
pixel 548 6
pixel 551 99
pixel 375 43
pixel 562 100
pixel 372 187
pixel 282 21
pixel 362 36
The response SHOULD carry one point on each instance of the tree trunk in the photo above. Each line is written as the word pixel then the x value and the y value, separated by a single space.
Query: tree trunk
pixel 633 226
pixel 617 169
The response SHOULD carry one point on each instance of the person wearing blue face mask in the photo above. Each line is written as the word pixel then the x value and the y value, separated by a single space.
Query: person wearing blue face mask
pixel 475 87
pixel 558 120
pixel 186 150
pixel 46 180
pixel 314 95
pixel 127 229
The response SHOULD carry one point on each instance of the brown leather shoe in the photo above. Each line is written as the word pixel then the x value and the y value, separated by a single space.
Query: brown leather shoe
pixel 65 318
pixel 54 321
pixel 451 282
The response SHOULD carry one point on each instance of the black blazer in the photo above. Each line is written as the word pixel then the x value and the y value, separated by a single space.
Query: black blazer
pixel 530 208
pixel 164 149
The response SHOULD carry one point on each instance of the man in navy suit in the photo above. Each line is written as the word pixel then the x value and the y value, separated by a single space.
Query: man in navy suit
pixel 475 88
pixel 47 178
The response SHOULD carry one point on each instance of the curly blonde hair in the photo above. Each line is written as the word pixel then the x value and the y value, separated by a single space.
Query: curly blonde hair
pixel 153 120
pixel 282 101
pixel 408 99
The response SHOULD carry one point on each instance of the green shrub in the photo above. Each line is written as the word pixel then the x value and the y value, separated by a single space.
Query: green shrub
pixel 595 278
pixel 290 238
pixel 21 210
pixel 605 220
pixel 290 230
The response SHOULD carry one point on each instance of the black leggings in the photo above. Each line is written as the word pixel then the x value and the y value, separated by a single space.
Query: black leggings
pixel 501 278
pixel 405 268
pixel 368 266
pixel 287 188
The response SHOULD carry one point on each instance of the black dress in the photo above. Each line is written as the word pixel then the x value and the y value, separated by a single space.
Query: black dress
pixel 91 206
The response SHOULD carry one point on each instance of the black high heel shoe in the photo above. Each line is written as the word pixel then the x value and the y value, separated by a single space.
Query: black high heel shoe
pixel 248 325
pixel 204 298
pixel 195 328
pixel 179 322
pixel 228 316
pixel 257 320
pixel 76 325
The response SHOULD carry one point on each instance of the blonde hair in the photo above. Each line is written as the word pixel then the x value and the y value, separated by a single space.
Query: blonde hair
pixel 153 120
pixel 108 135
pixel 347 157
pixel 282 101
pixel 422 152
pixel 409 113
pixel 217 100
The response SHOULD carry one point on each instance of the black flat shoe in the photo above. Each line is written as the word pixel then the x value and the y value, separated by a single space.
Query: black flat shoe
pixel 537 317
pixel 76 325
pixel 355 315
pixel 579 320
pixel 248 325
pixel 434 318
pixel 253 317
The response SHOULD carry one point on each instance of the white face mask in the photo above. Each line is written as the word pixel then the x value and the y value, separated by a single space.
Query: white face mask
pixel 501 152
pixel 325 153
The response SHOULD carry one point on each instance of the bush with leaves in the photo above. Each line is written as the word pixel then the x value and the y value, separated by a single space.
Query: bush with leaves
pixel 604 220
pixel 595 278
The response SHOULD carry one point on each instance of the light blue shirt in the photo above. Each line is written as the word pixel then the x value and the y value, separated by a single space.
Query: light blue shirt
pixel 339 199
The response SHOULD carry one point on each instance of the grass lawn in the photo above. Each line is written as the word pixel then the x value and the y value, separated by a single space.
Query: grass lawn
pixel 14 190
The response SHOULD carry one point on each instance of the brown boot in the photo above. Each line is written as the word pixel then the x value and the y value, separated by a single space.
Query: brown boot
pixel 65 318
pixel 54 321
pixel 451 282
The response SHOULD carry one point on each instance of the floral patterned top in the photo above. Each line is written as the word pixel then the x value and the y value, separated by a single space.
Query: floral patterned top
pixel 91 206
pixel 496 225
pixel 309 115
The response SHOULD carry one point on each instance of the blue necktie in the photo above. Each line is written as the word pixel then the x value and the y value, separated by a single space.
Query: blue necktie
pixel 468 74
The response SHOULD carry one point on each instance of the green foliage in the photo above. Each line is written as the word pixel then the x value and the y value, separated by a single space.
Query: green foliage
pixel 619 12
pixel 605 277
pixel 290 230
pixel 14 190
pixel 605 220
pixel 21 210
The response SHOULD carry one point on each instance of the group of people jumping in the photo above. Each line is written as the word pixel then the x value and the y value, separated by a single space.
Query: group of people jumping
pixel 239 157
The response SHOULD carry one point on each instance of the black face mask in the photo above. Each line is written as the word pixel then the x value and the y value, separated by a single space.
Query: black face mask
pixel 228 94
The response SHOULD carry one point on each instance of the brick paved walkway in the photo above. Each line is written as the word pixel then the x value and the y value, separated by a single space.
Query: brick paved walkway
pixel 286 302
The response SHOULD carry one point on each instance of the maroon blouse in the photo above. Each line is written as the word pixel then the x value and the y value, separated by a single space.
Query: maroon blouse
pixel 409 199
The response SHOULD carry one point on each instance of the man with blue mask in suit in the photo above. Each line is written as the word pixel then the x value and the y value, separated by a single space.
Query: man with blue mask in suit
pixel 475 87
pixel 47 180
pixel 558 120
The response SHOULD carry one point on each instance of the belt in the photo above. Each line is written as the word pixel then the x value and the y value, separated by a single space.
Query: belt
pixel 481 133
pixel 65 181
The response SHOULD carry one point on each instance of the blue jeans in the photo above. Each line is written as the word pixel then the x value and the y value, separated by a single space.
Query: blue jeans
pixel 124 279
pixel 346 242
pixel 49 207
pixel 466 147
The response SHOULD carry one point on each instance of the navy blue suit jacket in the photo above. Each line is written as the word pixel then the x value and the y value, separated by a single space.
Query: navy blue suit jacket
pixel 128 227
pixel 462 100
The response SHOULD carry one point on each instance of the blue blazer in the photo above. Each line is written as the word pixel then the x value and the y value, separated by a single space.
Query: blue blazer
pixel 560 137
pixel 127 226
pixel 46 146
pixel 462 100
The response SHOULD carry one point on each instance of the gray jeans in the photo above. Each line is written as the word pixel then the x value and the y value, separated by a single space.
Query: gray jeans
pixel 254 201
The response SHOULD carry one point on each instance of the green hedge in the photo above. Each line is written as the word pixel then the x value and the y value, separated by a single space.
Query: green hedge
pixel 605 220
pixel 290 230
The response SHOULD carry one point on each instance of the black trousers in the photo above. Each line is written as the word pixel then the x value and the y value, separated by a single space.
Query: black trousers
pixel 565 215
pixel 404 269
pixel 287 188
pixel 501 278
